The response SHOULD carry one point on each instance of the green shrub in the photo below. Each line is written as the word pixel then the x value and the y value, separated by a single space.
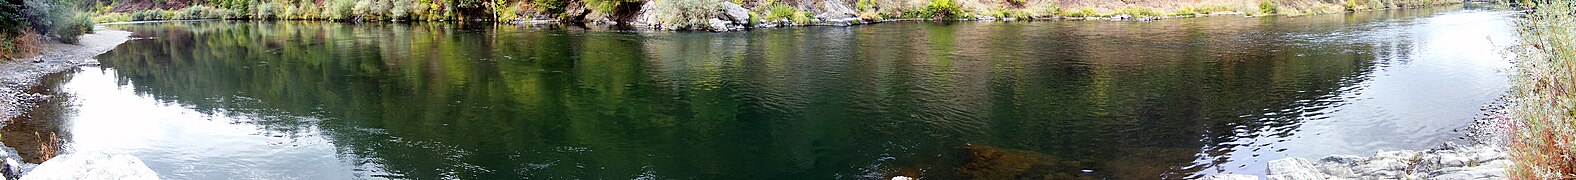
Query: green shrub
pixel 804 17
pixel 11 31
pixel 11 20
pixel 1185 11
pixel 338 9
pixel 400 10
pixel 780 11
pixel 1081 12
pixel 1139 11
pixel 1267 7
pixel 201 12
pixel 611 6
pixel 266 11
pixel 112 17
pixel 68 29
pixel 547 6
pixel 943 9
pixel 865 5
pixel 361 9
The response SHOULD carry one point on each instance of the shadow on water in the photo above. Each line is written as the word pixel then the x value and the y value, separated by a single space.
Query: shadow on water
pixel 1067 99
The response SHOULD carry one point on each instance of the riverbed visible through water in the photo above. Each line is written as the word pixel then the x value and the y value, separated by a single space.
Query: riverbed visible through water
pixel 1172 99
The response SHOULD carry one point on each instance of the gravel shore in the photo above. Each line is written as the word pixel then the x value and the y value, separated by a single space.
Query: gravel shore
pixel 19 80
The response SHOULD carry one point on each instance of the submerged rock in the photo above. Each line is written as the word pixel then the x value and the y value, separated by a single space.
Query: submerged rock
pixel 990 162
pixel 92 165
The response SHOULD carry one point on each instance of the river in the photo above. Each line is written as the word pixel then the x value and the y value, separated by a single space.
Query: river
pixel 1171 99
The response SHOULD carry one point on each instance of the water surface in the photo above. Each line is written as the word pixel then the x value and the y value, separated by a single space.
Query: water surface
pixel 1170 99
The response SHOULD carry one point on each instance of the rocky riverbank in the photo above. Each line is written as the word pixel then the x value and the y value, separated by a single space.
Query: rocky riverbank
pixel 20 79
pixel 1485 158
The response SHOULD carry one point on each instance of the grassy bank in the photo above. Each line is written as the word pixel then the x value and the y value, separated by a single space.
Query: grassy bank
pixel 1545 92
pixel 792 11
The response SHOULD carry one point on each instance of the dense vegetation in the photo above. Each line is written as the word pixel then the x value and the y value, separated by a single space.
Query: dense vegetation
pixel 1545 114
pixel 24 22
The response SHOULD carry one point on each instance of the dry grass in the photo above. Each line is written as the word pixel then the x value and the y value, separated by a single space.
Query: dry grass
pixel 48 148
pixel 21 46
pixel 1545 90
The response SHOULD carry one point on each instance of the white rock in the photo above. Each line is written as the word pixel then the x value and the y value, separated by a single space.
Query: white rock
pixel 1293 169
pixel 1451 160
pixel 718 24
pixel 737 14
pixel 1229 177
pixel 92 165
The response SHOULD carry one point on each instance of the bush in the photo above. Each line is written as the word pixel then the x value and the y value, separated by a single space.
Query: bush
pixel 1139 12
pixel 67 29
pixel 339 9
pixel 112 17
pixel 146 15
pixel 611 6
pixel 943 9
pixel 686 14
pixel 202 12
pixel 1082 12
pixel 11 20
pixel 1541 134
pixel 360 10
pixel 401 9
pixel 265 11
pixel 780 11
pixel 1267 7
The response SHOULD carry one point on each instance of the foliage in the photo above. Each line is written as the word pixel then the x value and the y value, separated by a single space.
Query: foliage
pixel 1139 12
pixel 780 11
pixel 1185 11
pixel 1267 7
pixel 202 12
pixel 62 20
pixel 943 9
pixel 11 21
pixel 401 9
pixel 686 14
pixel 866 5
pixel 112 17
pixel 549 6
pixel 1012 13
pixel 361 10
pixel 1081 12
pixel 612 6
pixel 1545 125
pixel 339 9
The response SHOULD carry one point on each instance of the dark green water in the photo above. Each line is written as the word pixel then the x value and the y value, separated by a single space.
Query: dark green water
pixel 1167 99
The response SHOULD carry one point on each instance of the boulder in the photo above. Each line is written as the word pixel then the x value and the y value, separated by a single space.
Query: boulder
pixel 717 24
pixel 1229 177
pixel 835 9
pixel 1293 169
pixel 92 165
pixel 734 12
